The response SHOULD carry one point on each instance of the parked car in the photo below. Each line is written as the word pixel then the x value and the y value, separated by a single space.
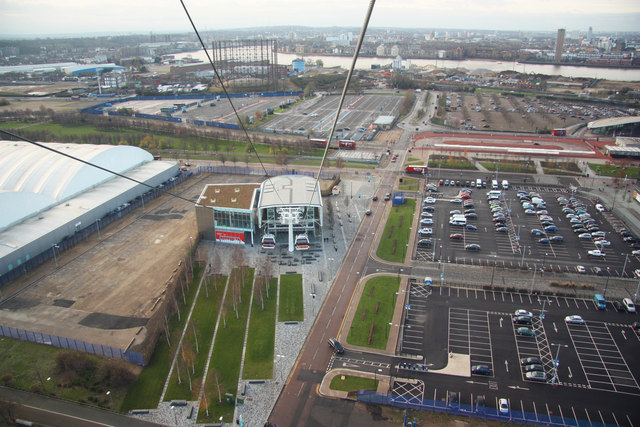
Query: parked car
pixel 387 196
pixel 581 269
pixel 618 306
pixel 472 247
pixel 526 332
pixel 628 304
pixel 522 320
pixel 455 212
pixel 426 221
pixel 556 239
pixel 503 405
pixel 536 232
pixel 456 200
pixel 584 236
pixel 425 242
pixel 536 376
pixel 471 227
pixel 480 370
pixel 425 232
pixel 574 319
pixel 429 200
pixel 596 253
pixel 456 236
pixel 530 360
pixel 502 230
pixel 534 367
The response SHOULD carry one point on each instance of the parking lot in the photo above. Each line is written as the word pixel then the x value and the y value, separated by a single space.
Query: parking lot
pixel 315 117
pixel 510 240
pixel 594 359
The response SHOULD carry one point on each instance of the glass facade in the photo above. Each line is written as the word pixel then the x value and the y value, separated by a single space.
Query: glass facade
pixel 233 219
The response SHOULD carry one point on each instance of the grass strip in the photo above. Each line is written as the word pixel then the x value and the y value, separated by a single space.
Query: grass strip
pixel 393 244
pixel 258 361
pixel 375 307
pixel 291 308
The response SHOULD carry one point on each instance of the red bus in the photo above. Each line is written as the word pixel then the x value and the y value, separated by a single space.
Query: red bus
pixel 559 132
pixel 318 142
pixel 422 169
pixel 347 143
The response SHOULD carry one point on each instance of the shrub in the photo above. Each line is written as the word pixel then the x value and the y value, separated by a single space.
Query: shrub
pixel 6 379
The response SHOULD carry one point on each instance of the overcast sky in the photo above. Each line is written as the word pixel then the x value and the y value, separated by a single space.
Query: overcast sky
pixel 26 18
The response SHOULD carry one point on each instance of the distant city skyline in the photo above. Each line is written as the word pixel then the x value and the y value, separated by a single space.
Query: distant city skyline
pixel 37 18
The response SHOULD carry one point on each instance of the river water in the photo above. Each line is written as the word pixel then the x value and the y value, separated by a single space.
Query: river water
pixel 617 74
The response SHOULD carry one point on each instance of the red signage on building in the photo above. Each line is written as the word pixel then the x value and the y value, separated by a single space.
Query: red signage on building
pixel 229 237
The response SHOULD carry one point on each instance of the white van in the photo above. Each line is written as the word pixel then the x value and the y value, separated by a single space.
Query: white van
pixel 505 184
pixel 458 220
pixel 494 193
pixel 494 184
pixel 478 183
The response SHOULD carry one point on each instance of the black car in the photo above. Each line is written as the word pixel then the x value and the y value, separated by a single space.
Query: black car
pixel 530 361
pixel 375 198
pixel 480 370
pixel 425 242
pixel 522 320
pixel 618 306
pixel 534 367
pixel 335 344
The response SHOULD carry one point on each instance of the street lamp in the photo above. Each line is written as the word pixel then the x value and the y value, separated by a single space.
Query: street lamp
pixel 98 225
pixel 111 400
pixel 556 362
pixel 55 258
pixel 49 381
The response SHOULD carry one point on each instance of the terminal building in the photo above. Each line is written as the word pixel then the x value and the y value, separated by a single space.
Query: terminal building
pixel 617 126
pixel 282 207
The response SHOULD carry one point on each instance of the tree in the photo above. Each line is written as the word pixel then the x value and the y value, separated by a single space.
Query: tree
pixel 319 63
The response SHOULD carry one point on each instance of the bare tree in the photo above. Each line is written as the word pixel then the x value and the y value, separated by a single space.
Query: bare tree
pixel 267 272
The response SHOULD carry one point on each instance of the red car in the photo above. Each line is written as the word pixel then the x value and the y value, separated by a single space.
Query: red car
pixel 465 195
pixel 456 236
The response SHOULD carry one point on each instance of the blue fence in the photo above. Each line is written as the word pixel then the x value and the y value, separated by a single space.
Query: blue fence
pixel 72 344
pixel 513 416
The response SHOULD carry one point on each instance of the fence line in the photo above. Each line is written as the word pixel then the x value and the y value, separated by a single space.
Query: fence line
pixel 465 410
pixel 72 344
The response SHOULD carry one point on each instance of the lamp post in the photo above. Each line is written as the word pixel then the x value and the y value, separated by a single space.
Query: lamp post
pixel 556 362
pixel 55 258
pixel 98 225
pixel 533 281
pixel 604 294
pixel 49 381
pixel 111 399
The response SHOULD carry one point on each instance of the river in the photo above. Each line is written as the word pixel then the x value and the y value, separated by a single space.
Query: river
pixel 617 74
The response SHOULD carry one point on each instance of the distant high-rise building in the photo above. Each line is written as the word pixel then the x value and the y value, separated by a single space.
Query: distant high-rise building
pixel 590 34
pixel 559 45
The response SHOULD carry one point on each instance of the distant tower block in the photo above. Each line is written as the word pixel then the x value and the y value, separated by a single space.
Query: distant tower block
pixel 590 34
pixel 247 63
pixel 559 45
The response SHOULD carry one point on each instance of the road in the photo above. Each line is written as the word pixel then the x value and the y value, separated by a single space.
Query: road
pixel 299 401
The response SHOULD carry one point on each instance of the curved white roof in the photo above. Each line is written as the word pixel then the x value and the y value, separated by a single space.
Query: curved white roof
pixel 33 179
pixel 289 190
pixel 615 121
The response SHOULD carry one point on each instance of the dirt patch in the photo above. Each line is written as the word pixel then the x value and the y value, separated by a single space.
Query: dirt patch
pixel 110 321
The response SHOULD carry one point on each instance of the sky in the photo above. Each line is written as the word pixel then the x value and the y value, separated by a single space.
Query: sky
pixel 33 18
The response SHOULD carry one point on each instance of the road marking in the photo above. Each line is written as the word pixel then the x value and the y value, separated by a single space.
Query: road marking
pixel 501 322
pixel 535 411
pixel 561 415
pixel 506 365
pixel 570 373
pixel 624 334
pixel 615 419
pixel 555 328
pixel 548 412
pixel 575 417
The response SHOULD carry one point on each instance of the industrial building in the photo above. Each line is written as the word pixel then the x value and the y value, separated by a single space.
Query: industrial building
pixel 616 126
pixel 288 205
pixel 48 198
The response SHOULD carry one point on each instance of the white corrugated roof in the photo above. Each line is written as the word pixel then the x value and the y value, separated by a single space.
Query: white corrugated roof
pixel 615 121
pixel 33 179
pixel 289 190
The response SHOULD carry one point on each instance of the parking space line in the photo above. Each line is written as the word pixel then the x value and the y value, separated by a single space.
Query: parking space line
pixel 535 411
pixel 615 418
pixel 601 417
pixel 588 417
pixel 629 419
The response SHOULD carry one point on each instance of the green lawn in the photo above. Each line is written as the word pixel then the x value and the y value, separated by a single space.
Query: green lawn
pixel 351 383
pixel 377 290
pixel 258 361
pixel 224 369
pixel 146 391
pixel 291 308
pixel 613 170
pixel 409 184
pixel 393 244
pixel 203 323
pixel 450 162
pixel 522 167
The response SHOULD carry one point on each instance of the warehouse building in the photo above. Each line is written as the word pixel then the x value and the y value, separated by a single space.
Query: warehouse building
pixel 49 199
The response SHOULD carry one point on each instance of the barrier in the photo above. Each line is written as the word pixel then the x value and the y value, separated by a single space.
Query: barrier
pixel 72 344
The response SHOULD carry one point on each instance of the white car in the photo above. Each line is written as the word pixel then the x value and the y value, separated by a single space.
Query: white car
pixel 575 319
pixel 636 273
pixel 635 252
pixel 596 253
pixel 425 232
pixel 426 221
pixel 523 313
pixel 581 269
pixel 600 208
pixel 503 405
pixel 603 243
pixel 628 304
pixel 429 200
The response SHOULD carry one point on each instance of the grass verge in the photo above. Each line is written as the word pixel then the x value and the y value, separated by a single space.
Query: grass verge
pixel 376 307
pixel 350 383
pixel 393 244
pixel 291 308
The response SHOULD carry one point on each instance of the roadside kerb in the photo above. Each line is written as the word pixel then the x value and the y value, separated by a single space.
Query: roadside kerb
pixel 325 389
